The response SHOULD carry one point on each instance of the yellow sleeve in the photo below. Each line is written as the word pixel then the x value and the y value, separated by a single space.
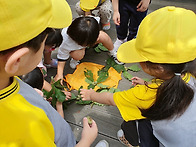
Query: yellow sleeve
pixel 131 101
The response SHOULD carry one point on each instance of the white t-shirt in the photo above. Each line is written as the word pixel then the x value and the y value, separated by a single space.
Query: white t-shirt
pixel 67 46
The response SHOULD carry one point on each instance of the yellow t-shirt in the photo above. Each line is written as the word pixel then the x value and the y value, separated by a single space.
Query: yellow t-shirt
pixel 131 101
pixel 22 124
pixel 27 120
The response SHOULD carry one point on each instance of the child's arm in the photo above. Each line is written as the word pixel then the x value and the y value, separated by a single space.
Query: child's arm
pixel 89 134
pixel 60 69
pixel 59 105
pixel 103 98
pixel 116 14
pixel 143 5
pixel 105 40
pixel 47 86
pixel 59 108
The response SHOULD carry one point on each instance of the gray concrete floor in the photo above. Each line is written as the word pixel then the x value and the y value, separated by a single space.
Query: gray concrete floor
pixel 107 117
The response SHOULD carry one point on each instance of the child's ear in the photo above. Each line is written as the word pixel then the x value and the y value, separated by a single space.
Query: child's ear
pixel 159 69
pixel 14 60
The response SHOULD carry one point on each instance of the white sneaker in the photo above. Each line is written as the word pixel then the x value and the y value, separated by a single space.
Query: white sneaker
pixel 121 138
pixel 113 54
pixel 102 143
pixel 118 43
pixel 73 63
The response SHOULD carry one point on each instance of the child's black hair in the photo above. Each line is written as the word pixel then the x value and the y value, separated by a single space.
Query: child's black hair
pixel 54 38
pixel 84 30
pixel 34 78
pixel 173 95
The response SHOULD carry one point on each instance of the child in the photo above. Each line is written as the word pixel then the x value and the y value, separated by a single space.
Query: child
pixel 127 16
pixel 53 41
pixel 26 118
pixel 104 7
pixel 35 79
pixel 83 32
pixel 165 47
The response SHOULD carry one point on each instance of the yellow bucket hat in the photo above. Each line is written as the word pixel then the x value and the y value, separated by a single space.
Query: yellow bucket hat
pixel 88 4
pixel 22 20
pixel 167 35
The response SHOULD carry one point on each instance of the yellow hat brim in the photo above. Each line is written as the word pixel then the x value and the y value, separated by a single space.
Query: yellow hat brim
pixel 88 4
pixel 127 53
pixel 25 19
pixel 61 15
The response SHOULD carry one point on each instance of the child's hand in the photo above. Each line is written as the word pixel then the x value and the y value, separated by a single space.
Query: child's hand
pixel 116 18
pixel 143 5
pixel 39 91
pixel 86 94
pixel 68 94
pixel 57 77
pixel 137 80
pixel 89 132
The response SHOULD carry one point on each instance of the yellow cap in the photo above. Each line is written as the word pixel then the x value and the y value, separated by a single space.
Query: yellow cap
pixel 22 20
pixel 88 4
pixel 167 35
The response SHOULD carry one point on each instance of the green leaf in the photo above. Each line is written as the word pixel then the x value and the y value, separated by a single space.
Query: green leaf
pixel 97 49
pixel 98 104
pixel 88 81
pixel 54 100
pixel 110 61
pixel 127 75
pixel 104 69
pixel 112 90
pixel 58 85
pixel 90 120
pixel 101 47
pixel 102 86
pixel 89 75
pixel 81 102
pixel 117 90
pixel 81 87
pixel 131 86
pixel 134 68
pixel 91 86
pixel 119 68
pixel 102 77
pixel 103 90
pixel 73 96
pixel 146 79
pixel 60 95
pixel 48 94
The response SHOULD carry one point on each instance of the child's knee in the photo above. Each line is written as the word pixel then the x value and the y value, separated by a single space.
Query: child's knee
pixel 78 54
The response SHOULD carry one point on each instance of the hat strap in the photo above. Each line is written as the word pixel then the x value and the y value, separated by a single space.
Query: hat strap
pixel 177 74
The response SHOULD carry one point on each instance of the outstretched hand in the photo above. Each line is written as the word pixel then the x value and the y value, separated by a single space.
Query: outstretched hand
pixel 57 77
pixel 68 94
pixel 86 94
pixel 137 80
